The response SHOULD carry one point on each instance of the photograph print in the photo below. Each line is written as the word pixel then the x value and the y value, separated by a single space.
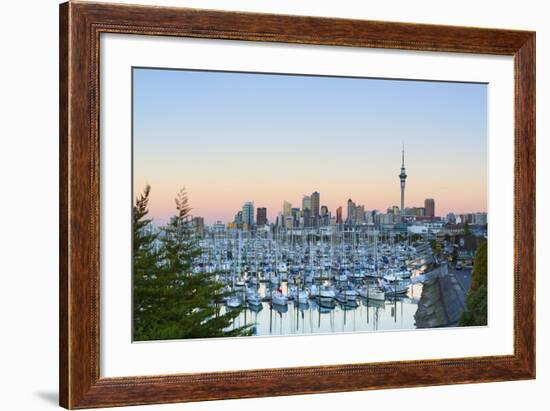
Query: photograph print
pixel 283 204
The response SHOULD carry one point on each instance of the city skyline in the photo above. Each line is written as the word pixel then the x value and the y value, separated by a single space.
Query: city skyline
pixel 234 137
pixel 355 213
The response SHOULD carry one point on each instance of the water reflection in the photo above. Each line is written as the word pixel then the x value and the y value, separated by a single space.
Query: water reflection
pixel 359 315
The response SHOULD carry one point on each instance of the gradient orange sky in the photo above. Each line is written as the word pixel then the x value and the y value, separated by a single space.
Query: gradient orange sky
pixel 236 137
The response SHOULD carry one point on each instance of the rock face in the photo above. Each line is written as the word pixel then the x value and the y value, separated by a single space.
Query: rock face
pixel 441 303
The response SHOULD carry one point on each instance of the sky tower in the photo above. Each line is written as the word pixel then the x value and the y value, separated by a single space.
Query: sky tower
pixel 402 178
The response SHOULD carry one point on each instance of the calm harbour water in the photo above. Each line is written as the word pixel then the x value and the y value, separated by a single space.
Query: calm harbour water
pixel 371 315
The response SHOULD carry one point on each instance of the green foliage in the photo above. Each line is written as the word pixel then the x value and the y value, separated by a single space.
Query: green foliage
pixel 170 300
pixel 479 272
pixel 467 230
pixel 476 301
pixel 145 259
pixel 476 308
pixel 436 247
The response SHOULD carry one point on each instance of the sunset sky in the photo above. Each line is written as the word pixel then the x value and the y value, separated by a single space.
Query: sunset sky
pixel 236 137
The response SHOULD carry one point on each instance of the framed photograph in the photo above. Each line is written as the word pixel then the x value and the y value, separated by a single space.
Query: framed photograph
pixel 260 205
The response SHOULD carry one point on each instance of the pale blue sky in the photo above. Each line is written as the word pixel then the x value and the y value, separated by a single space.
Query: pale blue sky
pixel 233 137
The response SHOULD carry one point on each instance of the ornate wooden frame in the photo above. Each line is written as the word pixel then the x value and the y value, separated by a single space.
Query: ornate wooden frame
pixel 80 27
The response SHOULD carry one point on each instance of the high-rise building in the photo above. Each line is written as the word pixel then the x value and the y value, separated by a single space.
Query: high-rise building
pixel 416 211
pixel 451 218
pixel 238 218
pixel 480 218
pixel 315 199
pixel 306 203
pixel 306 216
pixel 359 214
pixel 402 178
pixel 248 213
pixel 287 209
pixel 219 226
pixel 429 207
pixel 198 225
pixel 288 221
pixel 261 216
pixel 296 215
pixel 351 211
pixel 324 218
pixel 339 215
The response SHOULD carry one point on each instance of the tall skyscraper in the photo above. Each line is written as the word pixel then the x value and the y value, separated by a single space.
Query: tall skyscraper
pixel 402 178
pixel 359 214
pixel 351 211
pixel 288 221
pixel 248 213
pixel 261 216
pixel 238 218
pixel 339 215
pixel 287 209
pixel 324 218
pixel 306 203
pixel 306 216
pixel 315 201
pixel 429 207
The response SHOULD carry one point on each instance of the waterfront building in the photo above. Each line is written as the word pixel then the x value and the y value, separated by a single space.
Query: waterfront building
pixel 429 207
pixel 248 214
pixel 402 178
pixel 261 216
pixel 417 229
pixel 453 229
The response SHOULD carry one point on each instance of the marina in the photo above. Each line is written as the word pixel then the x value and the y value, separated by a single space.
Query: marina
pixel 291 282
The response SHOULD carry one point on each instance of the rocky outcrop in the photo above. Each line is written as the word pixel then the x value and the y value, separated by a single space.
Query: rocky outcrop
pixel 441 303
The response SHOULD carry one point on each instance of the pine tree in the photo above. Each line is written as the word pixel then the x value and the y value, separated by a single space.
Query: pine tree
pixel 145 260
pixel 183 301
